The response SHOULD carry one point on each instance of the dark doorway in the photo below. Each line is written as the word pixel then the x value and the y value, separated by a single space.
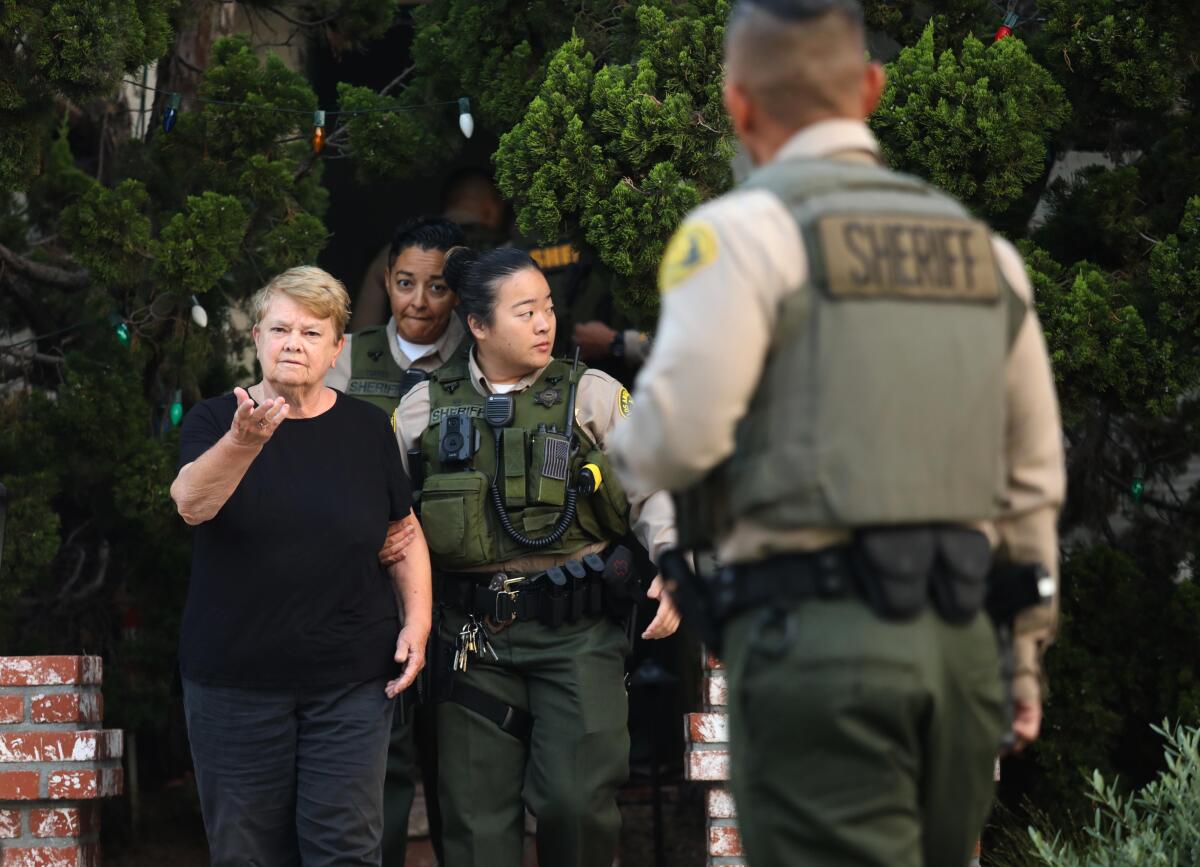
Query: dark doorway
pixel 362 214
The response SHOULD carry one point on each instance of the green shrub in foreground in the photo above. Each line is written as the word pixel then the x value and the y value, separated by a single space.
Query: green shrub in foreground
pixel 1159 825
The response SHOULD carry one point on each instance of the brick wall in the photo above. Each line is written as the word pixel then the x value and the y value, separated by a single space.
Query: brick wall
pixel 707 761
pixel 56 761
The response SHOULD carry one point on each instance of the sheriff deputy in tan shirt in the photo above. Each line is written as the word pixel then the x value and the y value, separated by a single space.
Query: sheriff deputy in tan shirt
pixel 559 679
pixel 690 395
pixel 798 90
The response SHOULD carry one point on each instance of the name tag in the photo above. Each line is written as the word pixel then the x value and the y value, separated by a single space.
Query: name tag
pixel 919 258
pixel 471 411
pixel 373 388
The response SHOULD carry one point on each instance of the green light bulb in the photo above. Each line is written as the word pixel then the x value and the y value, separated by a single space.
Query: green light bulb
pixel 176 408
pixel 120 327
pixel 1137 488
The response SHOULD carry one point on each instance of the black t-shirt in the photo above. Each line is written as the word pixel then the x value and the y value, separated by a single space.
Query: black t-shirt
pixel 286 588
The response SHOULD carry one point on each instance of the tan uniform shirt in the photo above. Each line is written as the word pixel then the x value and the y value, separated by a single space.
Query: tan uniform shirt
pixel 339 376
pixel 601 405
pixel 709 350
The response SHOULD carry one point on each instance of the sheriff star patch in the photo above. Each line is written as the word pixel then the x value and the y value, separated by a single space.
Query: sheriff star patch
pixel 692 248
pixel 624 401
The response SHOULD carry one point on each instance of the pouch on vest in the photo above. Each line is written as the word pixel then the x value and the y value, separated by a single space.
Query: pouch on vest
pixel 959 582
pixel 893 566
pixel 609 505
pixel 514 467
pixel 454 515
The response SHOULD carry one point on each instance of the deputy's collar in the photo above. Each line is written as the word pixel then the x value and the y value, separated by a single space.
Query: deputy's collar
pixel 832 138
pixel 485 387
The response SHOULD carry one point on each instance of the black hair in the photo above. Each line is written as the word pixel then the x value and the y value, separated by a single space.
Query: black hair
pixel 476 277
pixel 425 233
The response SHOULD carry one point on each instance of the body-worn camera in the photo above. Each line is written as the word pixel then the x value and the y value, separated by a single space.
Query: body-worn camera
pixel 457 439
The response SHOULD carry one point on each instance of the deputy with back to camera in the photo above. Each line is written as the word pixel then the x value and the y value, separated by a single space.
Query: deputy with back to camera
pixel 886 434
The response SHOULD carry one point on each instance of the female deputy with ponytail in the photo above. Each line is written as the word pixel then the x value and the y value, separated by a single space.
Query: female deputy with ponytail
pixel 523 521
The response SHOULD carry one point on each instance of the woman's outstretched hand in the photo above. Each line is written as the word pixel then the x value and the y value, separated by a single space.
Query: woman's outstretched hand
pixel 253 426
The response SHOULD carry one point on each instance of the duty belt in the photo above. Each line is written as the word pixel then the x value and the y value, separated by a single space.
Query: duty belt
pixel 562 594
pixel 787 579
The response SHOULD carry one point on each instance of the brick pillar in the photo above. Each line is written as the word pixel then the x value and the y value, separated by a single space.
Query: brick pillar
pixel 707 761
pixel 56 761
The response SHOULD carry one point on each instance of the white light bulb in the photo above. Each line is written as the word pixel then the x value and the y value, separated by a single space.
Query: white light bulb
pixel 465 122
pixel 199 314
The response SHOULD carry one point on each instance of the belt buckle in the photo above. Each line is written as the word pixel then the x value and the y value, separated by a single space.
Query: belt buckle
pixel 503 585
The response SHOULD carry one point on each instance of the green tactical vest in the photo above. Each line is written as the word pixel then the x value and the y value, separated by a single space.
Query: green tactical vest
pixel 457 514
pixel 374 374
pixel 882 398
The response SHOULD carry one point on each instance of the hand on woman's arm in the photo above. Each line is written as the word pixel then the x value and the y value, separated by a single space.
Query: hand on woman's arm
pixel 204 485
pixel 400 535
pixel 412 580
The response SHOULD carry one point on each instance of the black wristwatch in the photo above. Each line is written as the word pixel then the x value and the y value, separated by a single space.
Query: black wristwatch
pixel 617 347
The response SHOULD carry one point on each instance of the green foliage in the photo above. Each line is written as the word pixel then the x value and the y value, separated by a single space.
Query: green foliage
pixel 1098 215
pixel 615 154
pixel 502 48
pixel 978 125
pixel 1101 348
pixel 905 20
pixel 32 529
pixel 1134 52
pixel 195 248
pixel 1156 825
pixel 393 144
pixel 109 232
pixel 77 49
pixel 1128 654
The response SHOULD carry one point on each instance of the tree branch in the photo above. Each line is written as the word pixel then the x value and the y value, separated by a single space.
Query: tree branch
pixel 102 558
pixel 42 273
pixel 399 79
pixel 275 10
pixel 42 357
pixel 80 559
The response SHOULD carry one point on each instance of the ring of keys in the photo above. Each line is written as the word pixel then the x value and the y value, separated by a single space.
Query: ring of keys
pixel 472 639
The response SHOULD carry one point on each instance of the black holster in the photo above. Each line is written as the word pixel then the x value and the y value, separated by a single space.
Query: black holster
pixel 1013 588
pixel 699 607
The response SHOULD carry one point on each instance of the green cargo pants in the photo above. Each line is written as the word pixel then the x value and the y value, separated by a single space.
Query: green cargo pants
pixel 571 679
pixel 858 742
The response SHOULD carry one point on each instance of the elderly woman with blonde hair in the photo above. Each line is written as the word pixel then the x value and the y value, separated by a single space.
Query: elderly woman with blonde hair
pixel 289 649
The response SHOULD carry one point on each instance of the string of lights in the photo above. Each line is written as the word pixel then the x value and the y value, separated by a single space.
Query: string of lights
pixel 466 123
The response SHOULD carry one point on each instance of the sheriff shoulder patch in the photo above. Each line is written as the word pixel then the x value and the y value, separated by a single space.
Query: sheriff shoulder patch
pixel 624 401
pixel 692 248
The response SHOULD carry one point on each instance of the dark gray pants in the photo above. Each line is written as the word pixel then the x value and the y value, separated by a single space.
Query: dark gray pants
pixel 290 777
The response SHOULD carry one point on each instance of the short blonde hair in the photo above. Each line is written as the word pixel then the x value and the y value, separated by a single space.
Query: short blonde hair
pixel 313 288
